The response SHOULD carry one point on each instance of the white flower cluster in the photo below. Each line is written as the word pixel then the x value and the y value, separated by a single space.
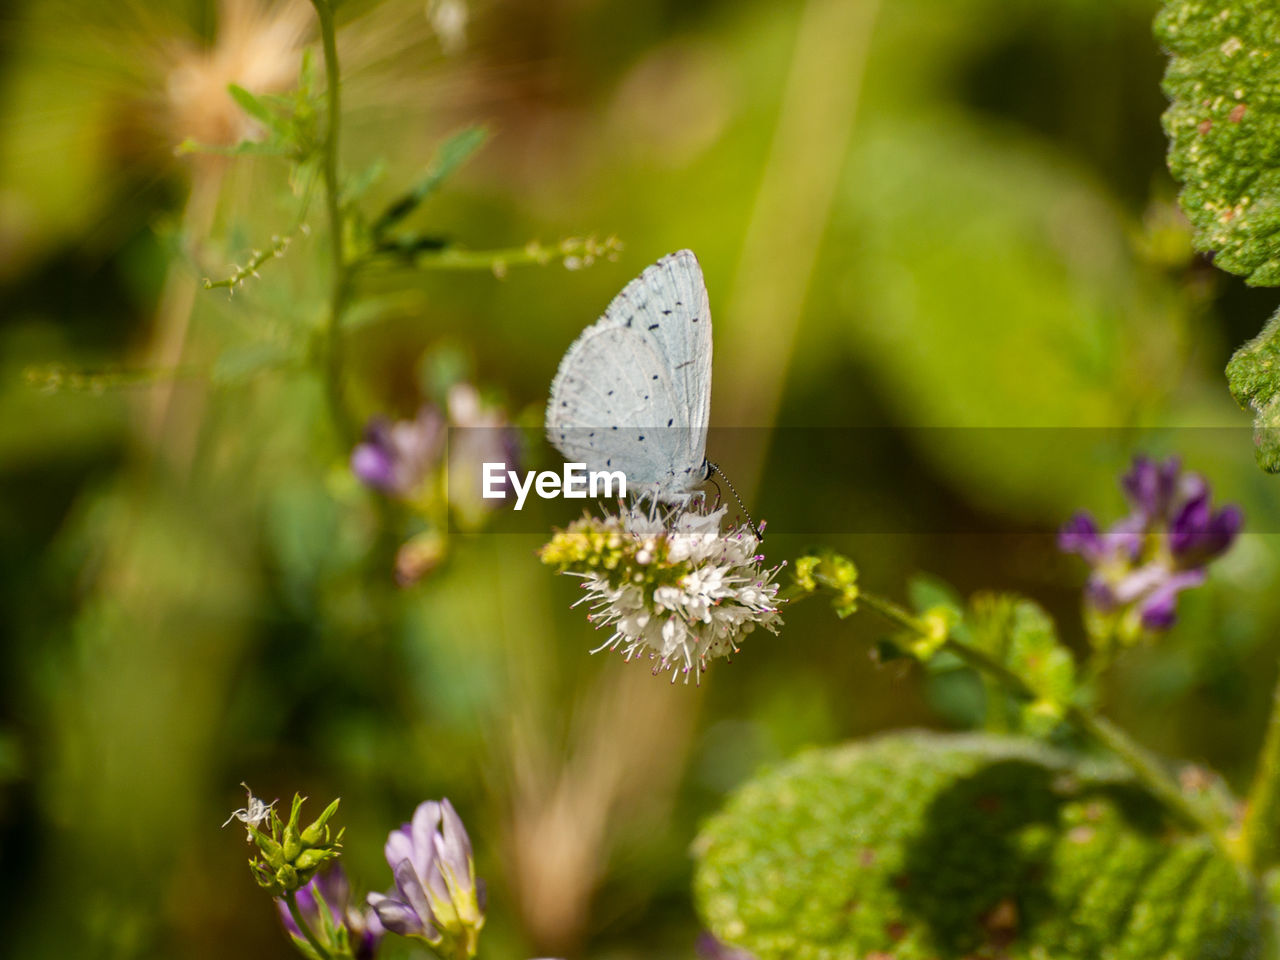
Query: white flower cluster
pixel 669 584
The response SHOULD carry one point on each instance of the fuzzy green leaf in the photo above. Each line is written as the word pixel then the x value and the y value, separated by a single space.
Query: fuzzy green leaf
pixel 1019 634
pixel 1254 377
pixel 918 845
pixel 1224 127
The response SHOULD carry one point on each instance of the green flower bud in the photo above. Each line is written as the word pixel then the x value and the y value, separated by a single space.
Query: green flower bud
pixel 319 829
pixel 833 572
pixel 288 857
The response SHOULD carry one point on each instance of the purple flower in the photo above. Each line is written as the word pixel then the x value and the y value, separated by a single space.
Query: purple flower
pixel 1198 535
pixel 1151 486
pixel 343 921
pixel 1158 604
pixel 437 897
pixel 405 459
pixel 1080 535
pixel 1146 559
pixel 396 457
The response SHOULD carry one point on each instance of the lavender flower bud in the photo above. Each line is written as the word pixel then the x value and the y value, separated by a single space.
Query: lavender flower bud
pixel 437 898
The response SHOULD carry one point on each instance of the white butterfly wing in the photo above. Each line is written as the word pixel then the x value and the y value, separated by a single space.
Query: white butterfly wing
pixel 633 392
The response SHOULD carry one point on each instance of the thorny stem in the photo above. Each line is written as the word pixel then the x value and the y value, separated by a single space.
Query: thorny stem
pixel 1144 766
pixel 332 344
pixel 291 901
pixel 1257 840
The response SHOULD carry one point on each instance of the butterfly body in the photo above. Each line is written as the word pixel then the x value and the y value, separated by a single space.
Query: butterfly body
pixel 633 392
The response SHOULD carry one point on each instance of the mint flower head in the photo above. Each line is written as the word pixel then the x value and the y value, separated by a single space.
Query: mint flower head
pixel 669 584
pixel 348 928
pixel 437 897
pixel 1164 546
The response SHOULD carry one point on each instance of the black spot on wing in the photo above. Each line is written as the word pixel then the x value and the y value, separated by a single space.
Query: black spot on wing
pixel 654 326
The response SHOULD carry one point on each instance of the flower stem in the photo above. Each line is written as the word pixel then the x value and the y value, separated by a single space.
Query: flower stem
pixel 574 251
pixel 1257 840
pixel 1145 768
pixel 332 344
pixel 291 901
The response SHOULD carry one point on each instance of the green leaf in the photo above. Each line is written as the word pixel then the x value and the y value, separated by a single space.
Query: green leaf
pixel 255 108
pixel 357 186
pixel 1019 634
pixel 927 591
pixel 1254 377
pixel 1224 128
pixel 449 156
pixel 920 845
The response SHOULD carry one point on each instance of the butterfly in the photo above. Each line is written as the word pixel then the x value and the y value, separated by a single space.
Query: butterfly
pixel 633 392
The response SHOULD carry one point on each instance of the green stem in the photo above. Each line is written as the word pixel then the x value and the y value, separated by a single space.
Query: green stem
pixel 1257 841
pixel 572 250
pixel 1146 769
pixel 291 901
pixel 332 346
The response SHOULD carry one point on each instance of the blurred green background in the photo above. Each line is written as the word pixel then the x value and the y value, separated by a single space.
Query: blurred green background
pixel 911 214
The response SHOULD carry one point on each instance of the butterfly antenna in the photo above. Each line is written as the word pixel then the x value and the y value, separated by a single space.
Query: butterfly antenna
pixel 712 479
pixel 715 468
